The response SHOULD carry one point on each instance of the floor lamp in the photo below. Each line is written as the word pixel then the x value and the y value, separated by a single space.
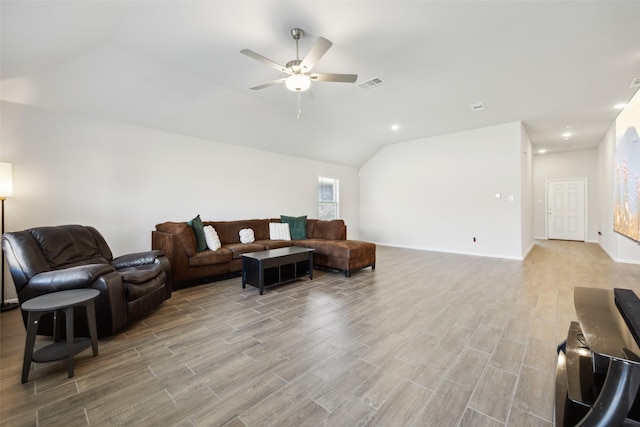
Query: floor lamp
pixel 6 190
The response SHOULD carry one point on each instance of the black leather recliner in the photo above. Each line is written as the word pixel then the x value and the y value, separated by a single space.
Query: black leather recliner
pixel 49 259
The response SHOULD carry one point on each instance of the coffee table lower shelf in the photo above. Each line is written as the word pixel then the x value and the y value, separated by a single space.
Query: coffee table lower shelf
pixel 276 267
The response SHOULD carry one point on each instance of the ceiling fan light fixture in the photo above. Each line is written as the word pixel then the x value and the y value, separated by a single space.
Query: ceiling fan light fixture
pixel 298 82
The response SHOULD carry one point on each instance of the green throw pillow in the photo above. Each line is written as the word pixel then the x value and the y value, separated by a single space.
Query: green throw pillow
pixel 297 226
pixel 198 229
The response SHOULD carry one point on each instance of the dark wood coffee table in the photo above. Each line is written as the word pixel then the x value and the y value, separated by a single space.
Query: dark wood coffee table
pixel 276 266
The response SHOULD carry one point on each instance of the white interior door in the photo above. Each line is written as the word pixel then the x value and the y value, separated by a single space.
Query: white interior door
pixel 566 209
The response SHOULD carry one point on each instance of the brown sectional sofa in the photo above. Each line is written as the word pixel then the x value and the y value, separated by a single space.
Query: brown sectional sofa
pixel 327 238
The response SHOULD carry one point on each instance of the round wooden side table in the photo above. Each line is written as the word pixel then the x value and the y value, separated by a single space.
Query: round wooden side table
pixel 57 302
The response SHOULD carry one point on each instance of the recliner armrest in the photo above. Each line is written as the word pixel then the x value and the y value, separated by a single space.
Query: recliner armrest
pixel 69 278
pixel 135 259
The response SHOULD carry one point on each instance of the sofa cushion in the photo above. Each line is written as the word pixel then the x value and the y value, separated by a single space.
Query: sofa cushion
pixel 243 248
pixel 310 228
pixel 68 245
pixel 228 231
pixel 246 235
pixel 210 235
pixel 339 248
pixel 279 231
pixel 205 258
pixel 297 226
pixel 329 230
pixel 198 230
pixel 274 244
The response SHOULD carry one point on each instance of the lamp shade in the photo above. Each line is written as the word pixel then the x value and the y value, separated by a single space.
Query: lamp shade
pixel 298 82
pixel 6 180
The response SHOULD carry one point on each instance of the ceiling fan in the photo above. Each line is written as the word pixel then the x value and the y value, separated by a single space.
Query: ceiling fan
pixel 299 71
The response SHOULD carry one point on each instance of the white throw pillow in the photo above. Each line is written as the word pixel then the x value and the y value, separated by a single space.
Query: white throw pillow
pixel 211 236
pixel 279 231
pixel 246 235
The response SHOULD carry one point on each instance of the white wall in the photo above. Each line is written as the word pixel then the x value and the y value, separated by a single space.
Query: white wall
pixel 527 192
pixel 619 248
pixel 567 165
pixel 438 193
pixel 122 179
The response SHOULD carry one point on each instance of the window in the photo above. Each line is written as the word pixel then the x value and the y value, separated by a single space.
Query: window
pixel 327 198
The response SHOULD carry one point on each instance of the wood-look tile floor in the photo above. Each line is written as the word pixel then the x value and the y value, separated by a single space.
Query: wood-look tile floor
pixel 427 339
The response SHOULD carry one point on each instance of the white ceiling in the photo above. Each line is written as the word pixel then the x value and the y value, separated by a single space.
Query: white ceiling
pixel 176 66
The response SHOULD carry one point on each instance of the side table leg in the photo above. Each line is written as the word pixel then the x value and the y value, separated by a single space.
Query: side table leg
pixel 68 314
pixel 245 266
pixel 56 326
pixel 32 331
pixel 93 332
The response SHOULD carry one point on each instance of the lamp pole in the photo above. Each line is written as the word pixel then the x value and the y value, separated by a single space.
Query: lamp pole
pixel 6 190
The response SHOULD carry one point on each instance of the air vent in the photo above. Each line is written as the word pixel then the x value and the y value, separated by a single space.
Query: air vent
pixel 477 107
pixel 371 83
pixel 635 82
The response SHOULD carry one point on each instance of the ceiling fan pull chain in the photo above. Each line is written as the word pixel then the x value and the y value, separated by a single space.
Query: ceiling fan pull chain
pixel 299 105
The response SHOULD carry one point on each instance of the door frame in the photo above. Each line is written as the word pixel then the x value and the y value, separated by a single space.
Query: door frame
pixel 546 204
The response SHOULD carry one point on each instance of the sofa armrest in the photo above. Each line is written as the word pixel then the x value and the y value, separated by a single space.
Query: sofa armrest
pixel 135 259
pixel 69 278
pixel 174 250
pixel 111 306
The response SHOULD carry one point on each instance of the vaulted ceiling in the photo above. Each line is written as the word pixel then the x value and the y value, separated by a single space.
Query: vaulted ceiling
pixel 176 66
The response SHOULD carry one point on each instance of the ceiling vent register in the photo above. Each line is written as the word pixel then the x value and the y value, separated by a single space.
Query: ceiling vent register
pixel 371 83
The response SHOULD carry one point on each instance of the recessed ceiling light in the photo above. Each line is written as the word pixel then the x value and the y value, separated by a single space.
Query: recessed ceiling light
pixel 620 106
pixel 542 151
pixel 566 135
pixel 395 127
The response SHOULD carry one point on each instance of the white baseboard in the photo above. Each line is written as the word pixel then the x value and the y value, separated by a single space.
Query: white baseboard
pixel 420 248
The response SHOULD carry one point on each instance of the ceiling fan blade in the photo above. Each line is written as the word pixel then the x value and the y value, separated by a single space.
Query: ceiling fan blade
pixel 268 84
pixel 264 60
pixel 321 47
pixel 342 78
